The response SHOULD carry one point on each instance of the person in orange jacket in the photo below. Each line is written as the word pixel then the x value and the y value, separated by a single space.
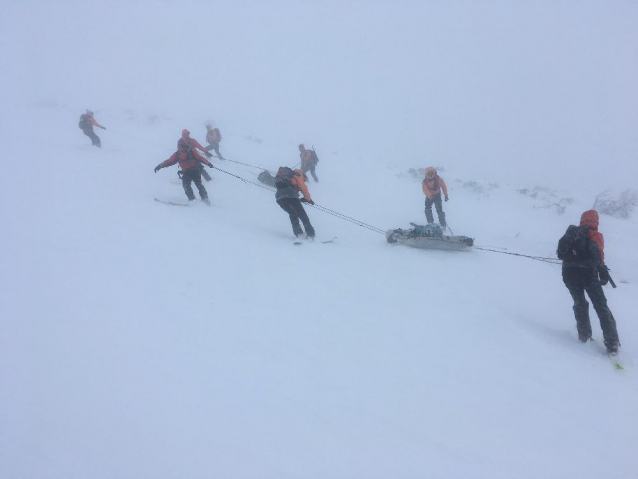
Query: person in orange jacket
pixel 289 183
pixel 193 143
pixel 584 270
pixel 189 161
pixel 87 122
pixel 432 186
pixel 309 161
pixel 213 137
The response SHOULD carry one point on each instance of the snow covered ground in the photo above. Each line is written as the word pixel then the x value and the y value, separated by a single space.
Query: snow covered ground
pixel 143 340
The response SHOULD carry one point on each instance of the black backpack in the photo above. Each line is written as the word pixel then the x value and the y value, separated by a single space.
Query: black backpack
pixel 84 123
pixel 284 179
pixel 574 245
pixel 315 158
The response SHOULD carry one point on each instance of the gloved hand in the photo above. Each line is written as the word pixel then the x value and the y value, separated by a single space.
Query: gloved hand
pixel 210 165
pixel 157 168
pixel 603 274
pixel 310 202
pixel 447 197
pixel 208 154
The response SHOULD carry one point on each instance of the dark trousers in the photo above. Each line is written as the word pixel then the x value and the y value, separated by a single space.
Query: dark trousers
pixel 436 200
pixel 193 175
pixel 310 167
pixel 95 140
pixel 578 281
pixel 215 146
pixel 296 212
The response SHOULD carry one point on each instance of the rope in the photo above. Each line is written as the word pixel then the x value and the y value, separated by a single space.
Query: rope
pixel 316 206
pixel 245 164
pixel 536 258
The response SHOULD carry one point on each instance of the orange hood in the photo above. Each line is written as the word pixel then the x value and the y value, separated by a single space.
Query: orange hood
pixel 590 218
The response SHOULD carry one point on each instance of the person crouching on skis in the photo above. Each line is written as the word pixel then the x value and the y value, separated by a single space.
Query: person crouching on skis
pixel 289 183
pixel 190 162
pixel 432 185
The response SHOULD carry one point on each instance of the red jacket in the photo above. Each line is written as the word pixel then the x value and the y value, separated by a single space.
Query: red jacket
pixel 192 142
pixel 590 218
pixel 186 159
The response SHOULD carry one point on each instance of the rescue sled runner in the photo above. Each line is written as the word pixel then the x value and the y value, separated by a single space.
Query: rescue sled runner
pixel 428 237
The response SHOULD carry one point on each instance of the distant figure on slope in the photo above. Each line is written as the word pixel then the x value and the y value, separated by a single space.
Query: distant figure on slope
pixel 193 143
pixel 213 137
pixel 432 185
pixel 309 160
pixel 189 161
pixel 582 250
pixel 289 183
pixel 87 122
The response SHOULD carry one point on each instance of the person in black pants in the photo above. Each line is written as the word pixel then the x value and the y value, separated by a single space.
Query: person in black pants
pixel 188 160
pixel 86 124
pixel 289 183
pixel 586 272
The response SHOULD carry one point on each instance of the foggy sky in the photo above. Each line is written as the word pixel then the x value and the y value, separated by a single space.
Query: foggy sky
pixel 543 89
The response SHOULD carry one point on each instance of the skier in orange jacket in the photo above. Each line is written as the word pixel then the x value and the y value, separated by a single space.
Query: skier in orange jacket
pixel 189 161
pixel 87 122
pixel 289 183
pixel 193 143
pixel 213 137
pixel 432 185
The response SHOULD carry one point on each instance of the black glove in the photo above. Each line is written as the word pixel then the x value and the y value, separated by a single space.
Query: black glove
pixel 303 200
pixel 310 202
pixel 603 274
pixel 157 168
pixel 210 165
pixel 447 197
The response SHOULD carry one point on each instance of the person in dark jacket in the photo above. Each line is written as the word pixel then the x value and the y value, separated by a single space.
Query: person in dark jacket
pixel 289 183
pixel 213 137
pixel 189 161
pixel 87 122
pixel 588 274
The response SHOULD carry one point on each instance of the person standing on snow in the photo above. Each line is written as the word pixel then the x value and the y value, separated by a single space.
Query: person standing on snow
pixel 289 183
pixel 432 185
pixel 189 161
pixel 584 270
pixel 87 122
pixel 193 143
pixel 213 137
pixel 309 161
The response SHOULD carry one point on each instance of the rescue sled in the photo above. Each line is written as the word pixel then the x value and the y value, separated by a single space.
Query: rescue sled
pixel 428 237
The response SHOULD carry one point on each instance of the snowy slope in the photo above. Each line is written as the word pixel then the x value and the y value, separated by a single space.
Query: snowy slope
pixel 146 340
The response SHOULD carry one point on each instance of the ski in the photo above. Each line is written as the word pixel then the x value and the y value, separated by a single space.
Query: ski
pixel 174 203
pixel 615 362
pixel 307 239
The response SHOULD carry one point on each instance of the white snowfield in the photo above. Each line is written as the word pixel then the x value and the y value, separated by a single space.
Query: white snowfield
pixel 147 340
pixel 140 340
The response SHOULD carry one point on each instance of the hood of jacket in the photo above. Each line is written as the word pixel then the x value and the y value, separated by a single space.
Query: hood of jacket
pixel 590 218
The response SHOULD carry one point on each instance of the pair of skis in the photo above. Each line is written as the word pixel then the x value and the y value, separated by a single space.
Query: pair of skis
pixel 299 241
